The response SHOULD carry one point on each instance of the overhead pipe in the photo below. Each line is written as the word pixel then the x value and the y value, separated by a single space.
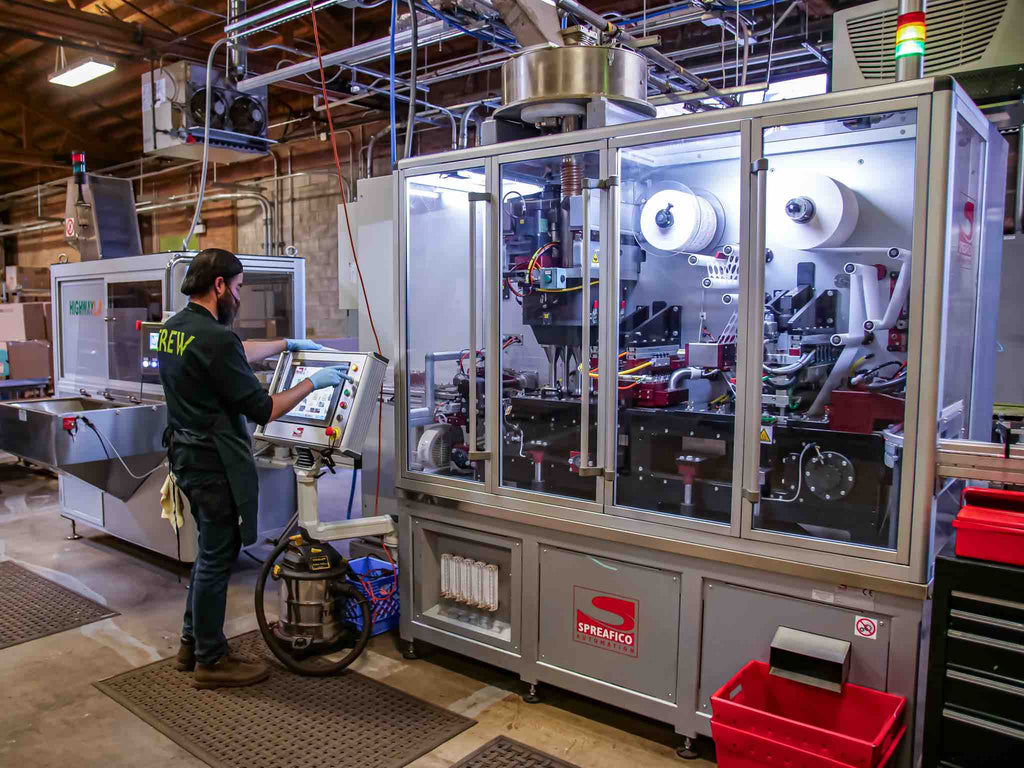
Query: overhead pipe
pixel 238 56
pixel 467 115
pixel 176 202
pixel 372 50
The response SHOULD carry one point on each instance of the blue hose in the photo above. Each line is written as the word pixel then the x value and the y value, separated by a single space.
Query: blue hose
pixel 391 91
pixel 503 43
pixel 748 7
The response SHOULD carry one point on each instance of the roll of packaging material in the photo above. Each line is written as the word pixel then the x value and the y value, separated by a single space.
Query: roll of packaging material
pixel 677 219
pixel 827 223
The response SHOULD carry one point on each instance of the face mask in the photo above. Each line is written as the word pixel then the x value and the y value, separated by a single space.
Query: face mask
pixel 227 308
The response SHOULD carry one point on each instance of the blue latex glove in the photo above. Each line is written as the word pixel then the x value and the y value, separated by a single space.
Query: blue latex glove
pixel 302 345
pixel 329 377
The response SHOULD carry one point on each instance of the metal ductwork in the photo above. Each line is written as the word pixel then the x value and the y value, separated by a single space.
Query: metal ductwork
pixel 533 22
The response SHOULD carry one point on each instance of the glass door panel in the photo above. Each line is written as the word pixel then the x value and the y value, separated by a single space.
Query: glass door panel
pixel 127 304
pixel 548 303
pixel 839 223
pixel 679 261
pixel 445 233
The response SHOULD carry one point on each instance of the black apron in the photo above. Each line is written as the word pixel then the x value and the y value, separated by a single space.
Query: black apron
pixel 185 449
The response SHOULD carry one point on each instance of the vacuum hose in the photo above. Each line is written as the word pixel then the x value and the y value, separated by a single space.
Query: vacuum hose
pixel 318 666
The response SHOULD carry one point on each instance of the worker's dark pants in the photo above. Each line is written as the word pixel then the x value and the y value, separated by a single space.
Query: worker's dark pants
pixel 219 543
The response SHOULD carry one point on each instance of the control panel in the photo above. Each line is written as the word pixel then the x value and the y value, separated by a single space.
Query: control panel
pixel 149 336
pixel 337 418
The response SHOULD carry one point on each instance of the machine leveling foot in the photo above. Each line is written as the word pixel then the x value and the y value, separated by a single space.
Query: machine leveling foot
pixel 687 751
pixel 74 534
pixel 531 696
pixel 410 651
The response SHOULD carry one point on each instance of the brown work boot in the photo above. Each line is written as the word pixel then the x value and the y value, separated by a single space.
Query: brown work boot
pixel 185 661
pixel 229 672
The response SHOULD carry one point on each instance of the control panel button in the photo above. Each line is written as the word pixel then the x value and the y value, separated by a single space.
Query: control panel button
pixel 343 404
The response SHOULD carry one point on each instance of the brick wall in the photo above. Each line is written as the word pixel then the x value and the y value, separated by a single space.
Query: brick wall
pixel 309 219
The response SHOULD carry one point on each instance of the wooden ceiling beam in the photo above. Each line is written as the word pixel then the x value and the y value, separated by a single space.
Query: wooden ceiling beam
pixel 34 159
pixel 56 21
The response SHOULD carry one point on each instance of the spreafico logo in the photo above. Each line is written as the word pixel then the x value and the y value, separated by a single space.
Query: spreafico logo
pixel 609 622
pixel 80 307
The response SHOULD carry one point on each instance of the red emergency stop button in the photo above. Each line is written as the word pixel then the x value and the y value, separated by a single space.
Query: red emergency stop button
pixel 138 325
pixel 331 432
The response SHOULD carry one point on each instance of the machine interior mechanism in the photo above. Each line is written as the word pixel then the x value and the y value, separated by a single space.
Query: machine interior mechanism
pixel 836 325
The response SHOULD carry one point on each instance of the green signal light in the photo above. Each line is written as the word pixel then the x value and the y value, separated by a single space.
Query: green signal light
pixel 910 48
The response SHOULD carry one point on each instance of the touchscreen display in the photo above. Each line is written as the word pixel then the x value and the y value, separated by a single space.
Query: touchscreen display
pixel 154 339
pixel 316 406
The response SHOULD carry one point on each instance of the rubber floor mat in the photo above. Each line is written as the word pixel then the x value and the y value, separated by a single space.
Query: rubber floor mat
pixel 32 607
pixel 343 721
pixel 502 752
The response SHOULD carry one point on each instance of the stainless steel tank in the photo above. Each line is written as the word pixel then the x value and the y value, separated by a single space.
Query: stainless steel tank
pixel 561 81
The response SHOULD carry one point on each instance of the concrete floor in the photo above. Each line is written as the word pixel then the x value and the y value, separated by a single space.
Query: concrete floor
pixel 51 715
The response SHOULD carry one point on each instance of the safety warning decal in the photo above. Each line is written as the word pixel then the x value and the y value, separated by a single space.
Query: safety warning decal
pixel 768 434
pixel 866 627
pixel 69 227
pixel 609 622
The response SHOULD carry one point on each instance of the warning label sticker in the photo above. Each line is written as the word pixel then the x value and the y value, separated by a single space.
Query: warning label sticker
pixel 768 434
pixel 866 627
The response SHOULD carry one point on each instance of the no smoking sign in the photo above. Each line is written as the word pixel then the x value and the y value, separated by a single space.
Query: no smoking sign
pixel 866 627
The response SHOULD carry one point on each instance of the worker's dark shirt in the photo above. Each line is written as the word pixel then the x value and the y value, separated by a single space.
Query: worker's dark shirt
pixel 210 392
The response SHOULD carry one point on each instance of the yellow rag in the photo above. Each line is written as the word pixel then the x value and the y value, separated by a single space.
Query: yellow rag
pixel 171 503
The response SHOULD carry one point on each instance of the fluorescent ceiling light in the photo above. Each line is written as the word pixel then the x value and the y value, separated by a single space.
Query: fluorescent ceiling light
pixel 82 71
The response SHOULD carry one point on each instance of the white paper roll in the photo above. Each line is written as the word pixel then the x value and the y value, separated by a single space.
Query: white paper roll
pixel 694 221
pixel 835 211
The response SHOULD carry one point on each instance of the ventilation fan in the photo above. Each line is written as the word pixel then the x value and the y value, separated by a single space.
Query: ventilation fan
pixel 218 108
pixel 247 116
pixel 434 449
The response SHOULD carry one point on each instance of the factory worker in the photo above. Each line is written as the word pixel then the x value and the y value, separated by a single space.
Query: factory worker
pixel 211 391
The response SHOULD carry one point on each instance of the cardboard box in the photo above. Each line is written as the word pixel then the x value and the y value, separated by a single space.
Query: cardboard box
pixel 23 322
pixel 27 278
pixel 30 359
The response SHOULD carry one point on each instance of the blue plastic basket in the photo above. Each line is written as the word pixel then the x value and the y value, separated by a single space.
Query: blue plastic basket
pixel 380 577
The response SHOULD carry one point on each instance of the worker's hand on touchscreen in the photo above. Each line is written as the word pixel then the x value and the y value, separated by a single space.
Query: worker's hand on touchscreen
pixel 302 345
pixel 329 377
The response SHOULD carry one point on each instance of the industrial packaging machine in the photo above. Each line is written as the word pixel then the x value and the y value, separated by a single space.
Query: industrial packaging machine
pixel 108 404
pixel 668 386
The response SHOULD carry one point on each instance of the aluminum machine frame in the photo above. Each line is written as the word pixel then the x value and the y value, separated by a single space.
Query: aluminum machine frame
pixel 741 480
pixel 105 372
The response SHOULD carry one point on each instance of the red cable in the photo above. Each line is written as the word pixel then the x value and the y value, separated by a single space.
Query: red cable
pixel 362 284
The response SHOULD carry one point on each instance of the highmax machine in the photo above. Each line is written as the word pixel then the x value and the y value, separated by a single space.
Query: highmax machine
pixel 689 378
pixel 102 431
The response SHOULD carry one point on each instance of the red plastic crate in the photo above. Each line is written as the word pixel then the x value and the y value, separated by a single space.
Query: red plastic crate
pixel 990 526
pixel 857 728
pixel 741 749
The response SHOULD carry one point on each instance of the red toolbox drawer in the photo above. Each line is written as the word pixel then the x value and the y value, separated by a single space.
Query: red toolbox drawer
pixel 990 526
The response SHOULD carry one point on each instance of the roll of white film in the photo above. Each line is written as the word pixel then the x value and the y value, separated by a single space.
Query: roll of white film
pixel 827 222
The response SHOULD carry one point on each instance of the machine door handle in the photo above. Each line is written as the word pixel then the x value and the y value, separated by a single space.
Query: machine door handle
pixel 471 419
pixel 586 468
